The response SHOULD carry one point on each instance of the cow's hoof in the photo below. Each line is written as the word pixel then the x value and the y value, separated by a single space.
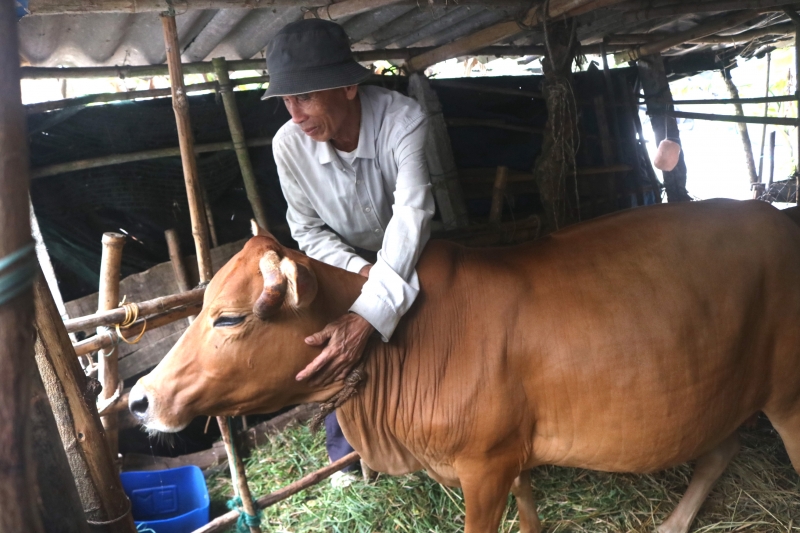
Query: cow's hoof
pixel 667 527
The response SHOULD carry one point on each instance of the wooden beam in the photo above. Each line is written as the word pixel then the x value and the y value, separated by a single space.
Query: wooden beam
pixel 82 7
pixel 699 31
pixel 82 435
pixel 150 307
pixel 776 121
pixel 346 8
pixel 17 481
pixel 239 141
pixel 743 101
pixel 180 105
pixel 502 31
pixel 145 155
pixel 746 36
pixel 108 298
pixel 643 10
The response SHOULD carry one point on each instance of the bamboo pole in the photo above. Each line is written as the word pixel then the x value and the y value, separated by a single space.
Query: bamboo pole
pixel 176 259
pixel 212 228
pixel 743 133
pixel 110 337
pixel 108 298
pixel 222 523
pixel 239 141
pixel 498 194
pixel 82 435
pixel 18 487
pixel 146 308
pixel 771 158
pixel 764 128
pixel 656 185
pixel 347 8
pixel 697 32
pixel 237 470
pixel 145 155
pixel 186 140
pixel 777 121
pixel 742 101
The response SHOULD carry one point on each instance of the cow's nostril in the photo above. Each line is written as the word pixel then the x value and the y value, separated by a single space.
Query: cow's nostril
pixel 139 405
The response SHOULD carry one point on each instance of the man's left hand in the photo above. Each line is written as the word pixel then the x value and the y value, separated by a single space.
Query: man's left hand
pixel 346 338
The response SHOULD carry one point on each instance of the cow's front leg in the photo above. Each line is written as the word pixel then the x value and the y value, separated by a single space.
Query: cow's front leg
pixel 528 516
pixel 707 470
pixel 485 496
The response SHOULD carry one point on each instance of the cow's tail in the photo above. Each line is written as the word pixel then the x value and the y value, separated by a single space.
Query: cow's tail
pixel 793 213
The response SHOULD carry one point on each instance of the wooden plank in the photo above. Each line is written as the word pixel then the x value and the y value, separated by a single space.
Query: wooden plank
pixel 346 8
pixel 439 153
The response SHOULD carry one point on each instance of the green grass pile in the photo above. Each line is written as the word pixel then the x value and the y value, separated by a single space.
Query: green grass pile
pixel 760 492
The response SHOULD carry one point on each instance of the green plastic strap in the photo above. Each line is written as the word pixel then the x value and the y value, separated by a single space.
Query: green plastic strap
pixel 14 282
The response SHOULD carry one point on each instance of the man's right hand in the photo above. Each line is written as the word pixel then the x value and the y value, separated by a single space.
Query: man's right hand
pixel 365 270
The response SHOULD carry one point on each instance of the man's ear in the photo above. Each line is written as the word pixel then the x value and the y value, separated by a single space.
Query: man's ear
pixel 351 91
pixel 302 283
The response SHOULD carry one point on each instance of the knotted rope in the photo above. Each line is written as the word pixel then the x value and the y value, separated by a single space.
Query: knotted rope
pixel 245 520
pixel 131 316
pixel 23 263
pixel 337 400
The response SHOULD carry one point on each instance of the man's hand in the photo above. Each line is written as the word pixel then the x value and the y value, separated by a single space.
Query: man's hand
pixel 346 337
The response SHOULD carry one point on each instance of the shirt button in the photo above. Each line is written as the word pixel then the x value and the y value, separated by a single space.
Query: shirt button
pixel 358 182
pixel 377 230
pixel 367 210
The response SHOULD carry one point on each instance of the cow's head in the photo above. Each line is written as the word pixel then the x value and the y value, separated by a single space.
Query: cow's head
pixel 244 349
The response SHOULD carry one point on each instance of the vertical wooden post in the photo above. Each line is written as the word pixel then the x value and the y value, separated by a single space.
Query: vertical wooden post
pixel 237 468
pixel 764 128
pixel 100 490
pixel 439 153
pixel 607 150
pixel 17 481
pixel 797 100
pixel 633 106
pixel 659 101
pixel 108 298
pixel 175 257
pixel 239 142
pixel 180 105
pixel 498 194
pixel 743 134
pixel 771 158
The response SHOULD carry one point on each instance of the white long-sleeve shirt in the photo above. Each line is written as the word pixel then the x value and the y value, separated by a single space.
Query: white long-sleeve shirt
pixel 383 202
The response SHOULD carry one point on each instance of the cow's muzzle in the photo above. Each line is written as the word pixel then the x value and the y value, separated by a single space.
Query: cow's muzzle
pixel 138 403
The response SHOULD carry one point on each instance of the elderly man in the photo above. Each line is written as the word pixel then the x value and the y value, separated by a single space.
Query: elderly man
pixel 352 167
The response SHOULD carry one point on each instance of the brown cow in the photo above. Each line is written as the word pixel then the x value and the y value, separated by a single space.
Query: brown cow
pixel 631 343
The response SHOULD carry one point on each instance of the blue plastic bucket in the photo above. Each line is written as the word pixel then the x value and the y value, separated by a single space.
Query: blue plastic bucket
pixel 168 501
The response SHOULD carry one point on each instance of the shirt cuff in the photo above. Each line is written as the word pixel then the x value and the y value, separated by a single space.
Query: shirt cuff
pixel 356 263
pixel 377 313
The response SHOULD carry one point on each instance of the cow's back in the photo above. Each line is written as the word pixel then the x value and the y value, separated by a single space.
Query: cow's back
pixel 629 343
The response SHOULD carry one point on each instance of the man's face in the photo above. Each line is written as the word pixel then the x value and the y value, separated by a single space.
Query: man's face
pixel 321 114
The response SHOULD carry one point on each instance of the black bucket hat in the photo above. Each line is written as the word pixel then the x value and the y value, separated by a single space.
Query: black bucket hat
pixel 311 55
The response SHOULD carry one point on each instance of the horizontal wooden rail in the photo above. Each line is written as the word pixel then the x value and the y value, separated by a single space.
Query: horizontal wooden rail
pixel 149 307
pixel 761 100
pixel 146 155
pixel 106 98
pixel 225 521
pixel 774 121
pixel 103 341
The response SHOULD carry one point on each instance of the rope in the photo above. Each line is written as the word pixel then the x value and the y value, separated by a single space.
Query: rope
pixel 142 528
pixel 131 316
pixel 21 278
pixel 113 521
pixel 337 400
pixel 245 520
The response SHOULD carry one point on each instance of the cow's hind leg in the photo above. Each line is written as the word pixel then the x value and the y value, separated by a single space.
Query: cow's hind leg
pixel 706 472
pixel 528 516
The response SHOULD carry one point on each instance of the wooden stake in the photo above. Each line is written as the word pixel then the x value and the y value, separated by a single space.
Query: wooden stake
pixel 239 143
pixel 743 134
pixel 237 470
pixel 17 482
pixel 82 435
pixel 222 523
pixel 180 104
pixel 108 298
pixel 498 195
pixel 176 259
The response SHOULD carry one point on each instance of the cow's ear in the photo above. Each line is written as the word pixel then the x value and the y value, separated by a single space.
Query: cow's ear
pixel 275 286
pixel 302 283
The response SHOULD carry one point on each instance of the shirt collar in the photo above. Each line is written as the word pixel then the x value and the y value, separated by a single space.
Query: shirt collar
pixel 366 135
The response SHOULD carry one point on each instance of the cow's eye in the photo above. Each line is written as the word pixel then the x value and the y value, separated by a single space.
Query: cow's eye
pixel 228 321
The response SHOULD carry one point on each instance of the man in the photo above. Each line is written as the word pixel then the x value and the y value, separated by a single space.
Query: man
pixel 352 167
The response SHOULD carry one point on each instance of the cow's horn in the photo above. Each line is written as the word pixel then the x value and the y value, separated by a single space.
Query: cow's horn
pixel 274 291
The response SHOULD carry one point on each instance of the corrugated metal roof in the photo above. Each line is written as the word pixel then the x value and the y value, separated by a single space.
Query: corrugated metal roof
pixel 106 39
